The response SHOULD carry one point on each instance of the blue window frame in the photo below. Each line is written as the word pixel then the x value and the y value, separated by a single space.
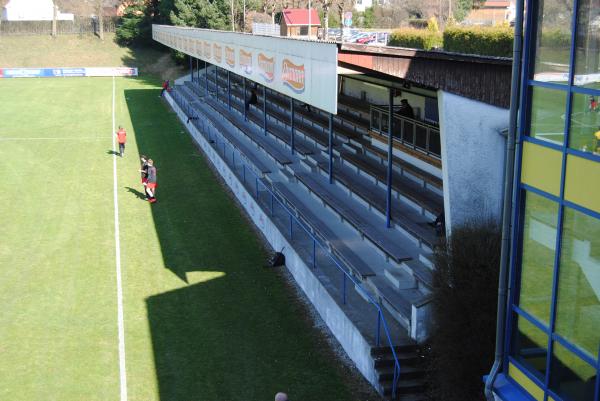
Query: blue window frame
pixel 563 369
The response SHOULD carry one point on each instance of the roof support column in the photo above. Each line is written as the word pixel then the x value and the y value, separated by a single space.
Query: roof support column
pixel 216 82
pixel 245 100
pixel 191 68
pixel 206 75
pixel 388 198
pixel 265 109
pixel 330 148
pixel 198 69
pixel 228 90
pixel 292 122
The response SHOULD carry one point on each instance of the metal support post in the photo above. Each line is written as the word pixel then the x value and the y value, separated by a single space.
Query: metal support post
pixel 265 109
pixel 377 337
pixel 330 148
pixel 228 90
pixel 388 199
pixel 314 254
pixel 216 82
pixel 192 68
pixel 206 75
pixel 292 122
pixel 245 106
pixel 344 285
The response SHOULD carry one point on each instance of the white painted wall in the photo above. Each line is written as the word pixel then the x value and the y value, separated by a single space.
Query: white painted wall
pixel 361 5
pixel 472 158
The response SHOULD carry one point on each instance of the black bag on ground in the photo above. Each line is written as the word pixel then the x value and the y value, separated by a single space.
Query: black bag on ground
pixel 277 259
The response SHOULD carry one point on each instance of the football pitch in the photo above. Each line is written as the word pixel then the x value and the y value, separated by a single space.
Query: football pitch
pixel 168 301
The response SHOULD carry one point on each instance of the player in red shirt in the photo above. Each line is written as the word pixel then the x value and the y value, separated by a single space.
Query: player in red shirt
pixel 165 87
pixel 144 172
pixel 122 138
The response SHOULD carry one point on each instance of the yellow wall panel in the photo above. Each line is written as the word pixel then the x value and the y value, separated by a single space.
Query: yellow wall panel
pixel 528 385
pixel 541 168
pixel 582 185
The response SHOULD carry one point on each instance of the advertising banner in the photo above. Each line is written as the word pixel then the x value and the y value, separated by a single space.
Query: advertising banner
pixel 68 72
pixel 304 70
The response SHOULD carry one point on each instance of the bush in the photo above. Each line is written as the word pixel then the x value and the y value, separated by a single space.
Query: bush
pixel 464 312
pixel 415 38
pixel 486 41
pixel 418 23
pixel 556 38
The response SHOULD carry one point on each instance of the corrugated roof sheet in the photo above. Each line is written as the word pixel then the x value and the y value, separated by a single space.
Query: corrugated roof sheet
pixel 299 16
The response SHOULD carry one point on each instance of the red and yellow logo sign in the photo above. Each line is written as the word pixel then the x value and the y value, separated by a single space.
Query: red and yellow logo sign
pixel 293 75
pixel 230 56
pixel 246 61
pixel 218 53
pixel 207 50
pixel 266 66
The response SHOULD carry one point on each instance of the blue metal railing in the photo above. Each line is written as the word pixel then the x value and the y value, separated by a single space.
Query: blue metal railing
pixel 273 197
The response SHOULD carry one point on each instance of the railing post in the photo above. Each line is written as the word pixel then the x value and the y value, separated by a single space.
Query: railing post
pixel 291 227
pixel 271 204
pixel 330 148
pixel 191 68
pixel 244 172
pixel 314 254
pixel 344 286
pixel 245 106
pixel 265 109
pixel 256 180
pixel 292 122
pixel 206 75
pixel 216 83
pixel 388 199
pixel 228 90
pixel 377 341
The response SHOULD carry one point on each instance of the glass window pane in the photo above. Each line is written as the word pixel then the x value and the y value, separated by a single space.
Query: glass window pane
pixel 553 42
pixel 584 133
pixel 587 57
pixel 530 346
pixel 578 305
pixel 537 265
pixel 548 108
pixel 434 142
pixel 384 123
pixel 375 120
pixel 570 377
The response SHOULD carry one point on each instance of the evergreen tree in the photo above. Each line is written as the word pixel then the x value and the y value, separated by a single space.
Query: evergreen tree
pixel 136 25
pixel 213 14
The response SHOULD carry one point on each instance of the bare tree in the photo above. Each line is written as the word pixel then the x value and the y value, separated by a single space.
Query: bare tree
pixel 54 18
pixel 100 20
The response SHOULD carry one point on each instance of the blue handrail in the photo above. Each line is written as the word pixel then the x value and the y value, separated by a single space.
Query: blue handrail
pixel 305 227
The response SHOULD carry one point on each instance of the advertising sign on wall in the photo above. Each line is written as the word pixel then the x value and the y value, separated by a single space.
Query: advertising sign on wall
pixel 304 70
pixel 68 72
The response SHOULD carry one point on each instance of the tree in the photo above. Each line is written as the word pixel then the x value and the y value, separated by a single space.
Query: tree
pixel 201 13
pixel 100 20
pixel 136 25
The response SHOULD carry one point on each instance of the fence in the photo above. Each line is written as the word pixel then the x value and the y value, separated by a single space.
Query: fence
pixel 266 29
pixel 297 231
pixel 413 133
pixel 79 26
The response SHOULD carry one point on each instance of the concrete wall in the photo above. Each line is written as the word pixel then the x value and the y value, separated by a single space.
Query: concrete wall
pixel 349 337
pixel 473 154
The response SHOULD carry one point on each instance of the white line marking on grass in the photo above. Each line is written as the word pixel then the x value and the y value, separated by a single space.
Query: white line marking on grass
pixel 66 138
pixel 122 371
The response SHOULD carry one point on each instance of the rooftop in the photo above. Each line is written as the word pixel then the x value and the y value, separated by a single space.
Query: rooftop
pixel 299 16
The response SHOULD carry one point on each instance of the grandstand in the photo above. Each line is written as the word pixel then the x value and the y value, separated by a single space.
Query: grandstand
pixel 351 205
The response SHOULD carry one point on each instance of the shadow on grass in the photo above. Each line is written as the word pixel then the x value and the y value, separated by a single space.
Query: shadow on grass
pixel 233 332
pixel 137 193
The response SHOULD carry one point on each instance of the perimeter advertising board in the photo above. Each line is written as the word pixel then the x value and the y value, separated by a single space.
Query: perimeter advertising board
pixel 306 71
pixel 68 72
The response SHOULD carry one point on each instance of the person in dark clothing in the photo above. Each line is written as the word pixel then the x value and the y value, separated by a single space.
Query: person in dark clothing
pixel 253 99
pixel 439 224
pixel 151 182
pixel 144 172
pixel 406 109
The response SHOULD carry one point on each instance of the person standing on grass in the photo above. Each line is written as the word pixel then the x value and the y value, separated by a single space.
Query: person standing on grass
pixel 122 138
pixel 144 172
pixel 252 100
pixel 165 87
pixel 151 182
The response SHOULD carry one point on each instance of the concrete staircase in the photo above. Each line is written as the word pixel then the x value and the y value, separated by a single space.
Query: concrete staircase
pixel 411 385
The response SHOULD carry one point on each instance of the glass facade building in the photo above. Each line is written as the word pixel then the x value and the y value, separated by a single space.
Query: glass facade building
pixel 552 336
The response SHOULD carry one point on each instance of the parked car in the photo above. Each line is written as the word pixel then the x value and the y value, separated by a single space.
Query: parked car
pixel 367 39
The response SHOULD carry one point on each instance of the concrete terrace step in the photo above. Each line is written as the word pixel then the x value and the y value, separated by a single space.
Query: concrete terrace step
pixel 380 239
pixel 269 147
pixel 337 245
pixel 247 153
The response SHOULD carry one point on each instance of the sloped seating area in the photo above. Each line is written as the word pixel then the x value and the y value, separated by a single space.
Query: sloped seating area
pixel 361 204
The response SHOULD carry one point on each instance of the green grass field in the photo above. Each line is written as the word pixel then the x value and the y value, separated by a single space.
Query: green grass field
pixel 203 320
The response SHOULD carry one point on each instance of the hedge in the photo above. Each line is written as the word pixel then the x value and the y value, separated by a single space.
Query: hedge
pixel 486 41
pixel 415 38
pixel 556 38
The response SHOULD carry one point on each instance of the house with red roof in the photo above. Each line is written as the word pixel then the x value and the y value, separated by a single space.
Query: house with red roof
pixel 295 22
pixel 492 12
